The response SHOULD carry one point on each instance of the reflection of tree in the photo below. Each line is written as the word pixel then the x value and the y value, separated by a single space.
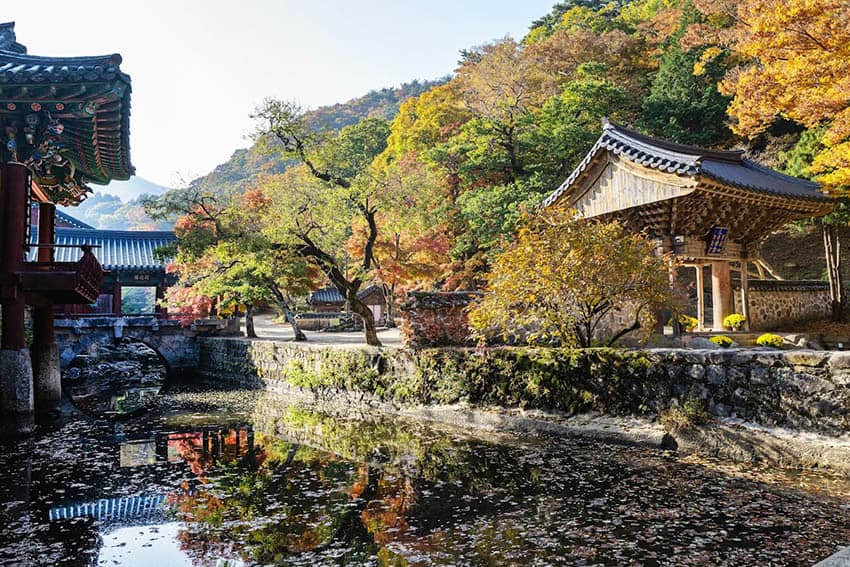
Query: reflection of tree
pixel 353 499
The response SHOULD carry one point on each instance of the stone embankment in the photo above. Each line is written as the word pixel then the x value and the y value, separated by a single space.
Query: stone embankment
pixel 791 407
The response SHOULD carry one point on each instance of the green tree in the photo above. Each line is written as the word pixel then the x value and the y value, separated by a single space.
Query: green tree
pixel 315 205
pixel 685 107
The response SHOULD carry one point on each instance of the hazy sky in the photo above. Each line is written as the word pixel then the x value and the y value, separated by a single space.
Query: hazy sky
pixel 200 67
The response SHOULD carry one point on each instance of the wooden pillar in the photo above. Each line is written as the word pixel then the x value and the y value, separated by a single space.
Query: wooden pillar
pixel 700 284
pixel 47 381
pixel 116 297
pixel 721 293
pixel 745 294
pixel 46 230
pixel 16 391
pixel 14 228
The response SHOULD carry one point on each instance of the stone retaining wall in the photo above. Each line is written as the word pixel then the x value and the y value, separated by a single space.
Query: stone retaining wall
pixel 780 305
pixel 805 390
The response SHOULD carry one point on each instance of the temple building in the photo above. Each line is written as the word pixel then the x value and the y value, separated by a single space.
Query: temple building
pixel 65 124
pixel 711 209
pixel 128 258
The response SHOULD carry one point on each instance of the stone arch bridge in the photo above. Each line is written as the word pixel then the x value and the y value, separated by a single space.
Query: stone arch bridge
pixel 175 343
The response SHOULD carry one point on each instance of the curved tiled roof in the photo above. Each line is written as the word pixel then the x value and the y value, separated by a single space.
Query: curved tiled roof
pixel 117 249
pixel 90 96
pixel 68 219
pixel 331 295
pixel 727 167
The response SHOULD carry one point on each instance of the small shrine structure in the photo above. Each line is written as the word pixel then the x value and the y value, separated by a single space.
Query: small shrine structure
pixel 65 124
pixel 708 208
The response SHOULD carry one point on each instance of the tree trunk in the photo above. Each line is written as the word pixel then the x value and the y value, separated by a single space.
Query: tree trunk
pixel 368 318
pixel 832 249
pixel 298 334
pixel 249 322
pixel 283 305
pixel 388 300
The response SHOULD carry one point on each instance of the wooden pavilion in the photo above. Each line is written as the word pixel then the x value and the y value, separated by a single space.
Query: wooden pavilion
pixel 709 208
pixel 65 122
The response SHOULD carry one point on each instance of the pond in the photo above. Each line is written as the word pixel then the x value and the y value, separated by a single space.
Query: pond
pixel 218 477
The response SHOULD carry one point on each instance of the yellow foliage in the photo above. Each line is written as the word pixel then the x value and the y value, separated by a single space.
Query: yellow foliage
pixel 563 278
pixel 797 55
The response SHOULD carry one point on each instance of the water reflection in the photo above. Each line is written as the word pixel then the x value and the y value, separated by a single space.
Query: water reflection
pixel 291 486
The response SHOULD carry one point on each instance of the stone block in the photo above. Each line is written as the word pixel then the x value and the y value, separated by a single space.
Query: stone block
pixel 806 357
pixel 839 360
pixel 696 372
pixel 760 375
pixel 736 374
pixel 715 374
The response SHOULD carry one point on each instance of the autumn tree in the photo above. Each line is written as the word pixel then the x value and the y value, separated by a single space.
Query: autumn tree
pixel 564 277
pixel 315 204
pixel 794 65
pixel 220 252
pixel 411 250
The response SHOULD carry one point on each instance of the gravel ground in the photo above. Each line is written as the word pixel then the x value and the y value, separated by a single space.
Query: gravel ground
pixel 267 329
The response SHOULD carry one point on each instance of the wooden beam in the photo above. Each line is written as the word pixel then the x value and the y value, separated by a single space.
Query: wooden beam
pixel 700 283
pixel 745 295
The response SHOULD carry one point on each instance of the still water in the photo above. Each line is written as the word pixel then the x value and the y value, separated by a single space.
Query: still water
pixel 211 477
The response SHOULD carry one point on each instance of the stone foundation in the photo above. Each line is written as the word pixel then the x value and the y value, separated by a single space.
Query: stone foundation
pixel 431 319
pixel 16 392
pixel 47 378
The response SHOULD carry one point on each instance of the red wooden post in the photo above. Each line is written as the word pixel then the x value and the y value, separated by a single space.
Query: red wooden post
pixel 16 388
pixel 12 259
pixel 47 381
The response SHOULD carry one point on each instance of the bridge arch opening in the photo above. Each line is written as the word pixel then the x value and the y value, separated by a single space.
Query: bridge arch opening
pixel 115 378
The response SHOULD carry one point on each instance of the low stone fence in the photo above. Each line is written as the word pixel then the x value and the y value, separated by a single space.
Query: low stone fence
pixel 805 390
pixel 433 319
pixel 776 304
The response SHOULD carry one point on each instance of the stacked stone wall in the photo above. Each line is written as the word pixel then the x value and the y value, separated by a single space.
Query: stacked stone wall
pixel 806 390
pixel 431 319
pixel 772 309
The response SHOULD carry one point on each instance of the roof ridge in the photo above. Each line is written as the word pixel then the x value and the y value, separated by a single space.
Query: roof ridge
pixel 779 174
pixel 8 40
pixel 682 149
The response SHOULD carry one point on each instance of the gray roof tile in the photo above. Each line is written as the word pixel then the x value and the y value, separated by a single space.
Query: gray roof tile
pixel 728 167
pixel 118 249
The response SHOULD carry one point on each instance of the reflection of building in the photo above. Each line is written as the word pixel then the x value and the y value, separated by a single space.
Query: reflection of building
pixel 126 255
pixel 144 507
pixel 200 449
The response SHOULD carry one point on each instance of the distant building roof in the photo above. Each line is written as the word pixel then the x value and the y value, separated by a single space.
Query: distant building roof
pixel 331 295
pixel 118 249
pixel 70 222
pixel 726 167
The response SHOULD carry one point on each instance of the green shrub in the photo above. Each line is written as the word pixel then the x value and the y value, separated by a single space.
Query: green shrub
pixel 690 415
pixel 770 340
pixel 734 321
pixel 687 322
pixel 721 341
